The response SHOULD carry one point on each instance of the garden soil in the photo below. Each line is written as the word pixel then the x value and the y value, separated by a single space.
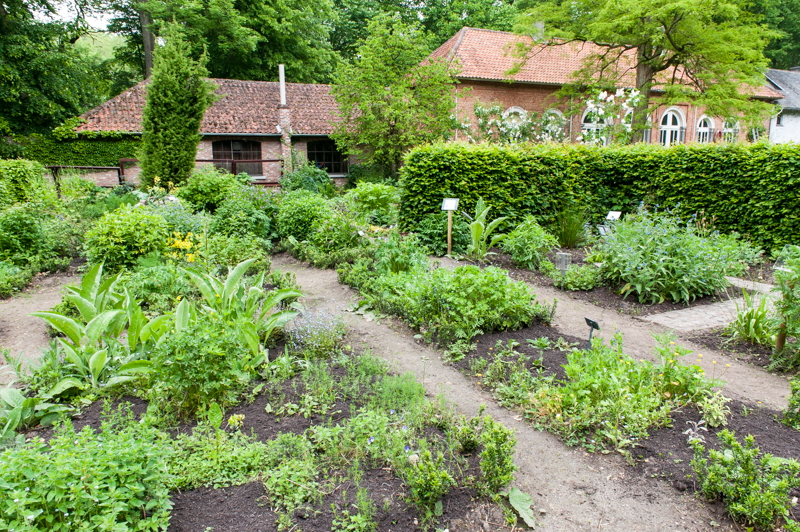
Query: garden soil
pixel 19 331
pixel 572 490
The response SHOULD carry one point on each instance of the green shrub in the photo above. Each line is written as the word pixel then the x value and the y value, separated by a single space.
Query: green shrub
pixel 113 480
pixel 377 201
pixel 755 488
pixel 20 232
pixel 49 150
pixel 335 238
pixel 569 227
pixel 787 311
pixel 223 252
pixel 659 257
pixel 432 233
pixel 585 277
pixel 123 235
pixel 298 212
pixel 306 176
pixel 533 179
pixel 497 456
pixel 195 367
pixel 13 278
pixel 528 244
pixel 239 215
pixel 157 288
pixel 23 181
pixel 368 173
pixel 428 481
pixel 207 188
pixel 791 416
pixel 180 218
pixel 753 322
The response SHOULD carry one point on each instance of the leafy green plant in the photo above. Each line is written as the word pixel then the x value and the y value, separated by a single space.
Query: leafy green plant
pixel 159 288
pixel 658 257
pixel 18 412
pixel 787 309
pixel 754 487
pixel 13 278
pixel 305 176
pixel 316 334
pixel 298 213
pixel 123 235
pixel 521 502
pixel 791 416
pixel 570 226
pixel 432 233
pixel 207 188
pixel 239 215
pixel 428 481
pixel 585 277
pixel 114 479
pixel 753 323
pixel 180 217
pixel 497 457
pixel 529 243
pixel 714 409
pixel 218 252
pixel 377 201
pixel 361 521
pixel 481 231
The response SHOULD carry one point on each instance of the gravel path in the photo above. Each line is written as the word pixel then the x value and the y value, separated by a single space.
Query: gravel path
pixel 578 492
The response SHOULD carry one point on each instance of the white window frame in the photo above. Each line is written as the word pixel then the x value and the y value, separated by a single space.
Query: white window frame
pixel 705 134
pixel 515 110
pixel 671 134
pixel 563 121
pixel 730 131
pixel 593 126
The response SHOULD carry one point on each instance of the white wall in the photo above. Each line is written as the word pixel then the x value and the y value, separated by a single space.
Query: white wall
pixel 789 131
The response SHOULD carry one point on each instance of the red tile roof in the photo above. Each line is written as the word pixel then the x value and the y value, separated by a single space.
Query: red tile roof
pixel 245 107
pixel 488 55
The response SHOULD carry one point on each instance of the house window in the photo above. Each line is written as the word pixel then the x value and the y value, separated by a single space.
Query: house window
pixel 592 128
pixel 730 131
pixel 554 125
pixel 671 130
pixel 324 154
pixel 515 115
pixel 238 150
pixel 779 119
pixel 705 130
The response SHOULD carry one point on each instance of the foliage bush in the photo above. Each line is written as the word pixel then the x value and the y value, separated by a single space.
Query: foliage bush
pixel 658 257
pixel 717 179
pixel 754 487
pixel 13 278
pixel 239 215
pixel 20 232
pixel 787 311
pixel 528 244
pixel 298 212
pixel 377 201
pixel 432 233
pixel 336 237
pixel 21 181
pixel 585 277
pixel 306 176
pixel 123 235
pixel 34 240
pixel 181 218
pixel 218 252
pixel 497 456
pixel 113 480
pixel 207 188
pixel 159 288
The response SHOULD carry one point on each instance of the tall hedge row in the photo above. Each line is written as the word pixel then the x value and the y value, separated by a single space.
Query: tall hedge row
pixel 753 189
pixel 49 150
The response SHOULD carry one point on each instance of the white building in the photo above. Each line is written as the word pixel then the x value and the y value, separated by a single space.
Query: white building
pixel 786 126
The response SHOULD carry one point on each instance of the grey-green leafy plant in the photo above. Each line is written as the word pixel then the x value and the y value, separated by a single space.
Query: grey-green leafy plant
pixel 481 232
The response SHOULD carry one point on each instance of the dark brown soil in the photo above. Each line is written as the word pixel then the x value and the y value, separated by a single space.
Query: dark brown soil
pixel 667 455
pixel 755 354
pixel 550 361
pixel 601 296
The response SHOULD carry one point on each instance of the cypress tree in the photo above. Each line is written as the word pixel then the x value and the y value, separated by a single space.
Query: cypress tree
pixel 177 98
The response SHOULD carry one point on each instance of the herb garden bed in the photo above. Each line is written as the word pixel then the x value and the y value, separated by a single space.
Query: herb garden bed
pixel 758 355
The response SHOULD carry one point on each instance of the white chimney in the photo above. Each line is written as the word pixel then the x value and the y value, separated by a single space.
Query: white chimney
pixel 282 79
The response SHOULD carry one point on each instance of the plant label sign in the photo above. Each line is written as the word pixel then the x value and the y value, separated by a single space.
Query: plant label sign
pixel 613 216
pixel 450 204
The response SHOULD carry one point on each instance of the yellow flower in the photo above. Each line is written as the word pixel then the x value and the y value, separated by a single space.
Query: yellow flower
pixel 727 365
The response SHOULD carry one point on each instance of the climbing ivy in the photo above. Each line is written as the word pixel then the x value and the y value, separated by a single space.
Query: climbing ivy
pixel 49 150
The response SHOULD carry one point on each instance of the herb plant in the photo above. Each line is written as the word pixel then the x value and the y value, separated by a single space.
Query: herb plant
pixel 528 244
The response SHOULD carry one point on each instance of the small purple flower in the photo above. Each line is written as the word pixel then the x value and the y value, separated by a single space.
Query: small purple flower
pixel 405 428
pixel 369 441
pixel 407 448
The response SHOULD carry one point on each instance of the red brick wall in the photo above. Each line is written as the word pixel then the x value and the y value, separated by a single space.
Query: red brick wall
pixel 102 178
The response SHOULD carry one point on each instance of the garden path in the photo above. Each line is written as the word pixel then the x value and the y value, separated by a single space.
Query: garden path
pixel 577 491
pixel 742 381
pixel 19 331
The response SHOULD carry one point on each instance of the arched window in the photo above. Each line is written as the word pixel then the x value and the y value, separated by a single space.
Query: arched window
pixel 672 129
pixel 515 114
pixel 554 125
pixel 730 131
pixel 324 154
pixel 593 127
pixel 705 130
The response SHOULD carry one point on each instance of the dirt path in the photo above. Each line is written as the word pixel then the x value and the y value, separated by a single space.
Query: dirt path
pixel 577 492
pixel 21 332
pixel 743 381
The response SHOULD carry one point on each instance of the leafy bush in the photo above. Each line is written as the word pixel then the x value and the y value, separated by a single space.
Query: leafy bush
pixel 753 322
pixel 367 173
pixel 13 278
pixel 335 238
pixel 180 218
pixel 298 212
pixel 658 257
pixel 306 176
pixel 497 457
pixel 755 488
pixel 522 180
pixel 23 181
pixel 158 288
pixel 114 480
pixel 791 416
pixel 239 215
pixel 20 233
pixel 36 241
pixel 103 203
pixel 528 244
pixel 787 310
pixel 432 233
pixel 428 481
pixel 219 252
pixel 480 231
pixel 377 201
pixel 585 277
pixel 123 235
pixel 208 187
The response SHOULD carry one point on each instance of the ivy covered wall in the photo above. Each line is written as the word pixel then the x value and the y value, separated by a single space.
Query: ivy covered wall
pixel 50 150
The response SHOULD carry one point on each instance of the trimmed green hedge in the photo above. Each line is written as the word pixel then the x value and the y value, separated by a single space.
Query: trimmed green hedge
pixel 750 188
pixel 78 152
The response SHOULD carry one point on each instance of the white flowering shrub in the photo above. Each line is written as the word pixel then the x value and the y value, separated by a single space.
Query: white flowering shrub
pixel 609 116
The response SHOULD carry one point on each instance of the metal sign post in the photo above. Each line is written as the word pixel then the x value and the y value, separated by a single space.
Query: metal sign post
pixel 450 205
pixel 592 326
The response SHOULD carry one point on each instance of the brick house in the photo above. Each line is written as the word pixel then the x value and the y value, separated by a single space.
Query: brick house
pixel 485 56
pixel 247 123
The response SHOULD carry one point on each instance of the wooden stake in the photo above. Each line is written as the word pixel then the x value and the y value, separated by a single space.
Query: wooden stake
pixel 449 232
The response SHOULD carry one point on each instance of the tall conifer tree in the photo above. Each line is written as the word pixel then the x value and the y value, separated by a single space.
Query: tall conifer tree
pixel 178 96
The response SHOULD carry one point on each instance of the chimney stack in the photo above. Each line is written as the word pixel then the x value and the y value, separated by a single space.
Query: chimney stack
pixel 282 79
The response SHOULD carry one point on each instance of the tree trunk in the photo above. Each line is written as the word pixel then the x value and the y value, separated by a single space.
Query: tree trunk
pixel 148 41
pixel 644 80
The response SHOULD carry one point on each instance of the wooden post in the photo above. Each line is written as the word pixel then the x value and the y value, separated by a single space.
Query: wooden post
pixel 449 232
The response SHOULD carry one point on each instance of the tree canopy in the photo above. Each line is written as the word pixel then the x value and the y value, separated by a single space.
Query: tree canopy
pixel 388 100
pixel 708 52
